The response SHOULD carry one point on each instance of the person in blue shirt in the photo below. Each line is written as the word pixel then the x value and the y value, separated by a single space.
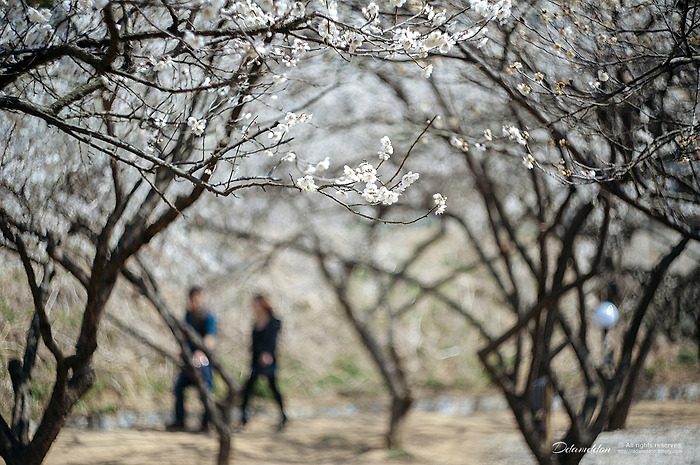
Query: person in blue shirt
pixel 264 358
pixel 204 323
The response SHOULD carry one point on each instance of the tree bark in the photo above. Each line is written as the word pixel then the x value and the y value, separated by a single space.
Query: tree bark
pixel 224 431
pixel 400 406
pixel 21 375
pixel 618 416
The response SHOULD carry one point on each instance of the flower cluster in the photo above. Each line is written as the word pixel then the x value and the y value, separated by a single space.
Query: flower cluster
pixel 323 165
pixel 440 202
pixel 435 18
pixel 387 196
pixel 387 149
pixel 513 133
pixel 374 191
pixel 440 40
pixel 529 161
pixel 41 16
pixel 284 126
pixel 267 13
pixel 307 183
pixel 412 42
pixel 196 125
pixel 343 39
pixel 459 143
pixel 371 11
pixel 406 180
pixel 193 40
pixel 410 39
pixel 500 10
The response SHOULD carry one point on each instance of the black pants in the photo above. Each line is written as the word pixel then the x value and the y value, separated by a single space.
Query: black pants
pixel 269 373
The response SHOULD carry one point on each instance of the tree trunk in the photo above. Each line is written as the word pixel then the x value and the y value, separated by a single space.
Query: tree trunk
pixel 224 431
pixel 225 448
pixel 618 415
pixel 697 329
pixel 400 406
pixel 67 392
pixel 21 375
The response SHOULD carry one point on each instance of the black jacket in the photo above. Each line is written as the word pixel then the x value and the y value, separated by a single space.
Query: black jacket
pixel 265 340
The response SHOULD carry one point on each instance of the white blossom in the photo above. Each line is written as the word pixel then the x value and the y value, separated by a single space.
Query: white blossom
pixel 367 173
pixel 307 183
pixel 197 126
pixel 439 18
pixel 323 165
pixel 440 40
pixel 514 133
pixel 481 7
pixel 300 47
pixel 645 136
pixel 332 9
pixel 388 197
pixel 459 143
pixel 440 202
pixel 407 39
pixel 529 161
pixel 38 16
pixel 192 40
pixel 289 121
pixel 354 41
pixel 164 63
pixel 329 33
pixel 387 149
pixel 371 193
pixel 349 175
pixel 502 10
pixel 407 179
pixel 371 11
pixel 210 12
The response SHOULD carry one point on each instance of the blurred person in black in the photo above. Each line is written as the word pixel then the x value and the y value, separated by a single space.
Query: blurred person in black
pixel 264 359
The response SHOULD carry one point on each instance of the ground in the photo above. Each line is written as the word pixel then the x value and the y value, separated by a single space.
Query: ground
pixel 658 433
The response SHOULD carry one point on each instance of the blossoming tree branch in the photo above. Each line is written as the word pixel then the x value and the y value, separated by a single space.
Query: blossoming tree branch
pixel 594 92
pixel 138 81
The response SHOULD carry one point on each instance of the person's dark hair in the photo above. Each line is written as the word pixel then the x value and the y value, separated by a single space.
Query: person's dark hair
pixel 264 303
pixel 195 290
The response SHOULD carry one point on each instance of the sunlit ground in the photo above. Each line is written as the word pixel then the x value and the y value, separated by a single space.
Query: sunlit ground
pixel 485 437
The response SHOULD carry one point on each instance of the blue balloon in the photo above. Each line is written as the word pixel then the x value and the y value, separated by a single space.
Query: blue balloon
pixel 605 315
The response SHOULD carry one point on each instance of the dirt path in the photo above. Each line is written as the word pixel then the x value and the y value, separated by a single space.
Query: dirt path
pixel 481 438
